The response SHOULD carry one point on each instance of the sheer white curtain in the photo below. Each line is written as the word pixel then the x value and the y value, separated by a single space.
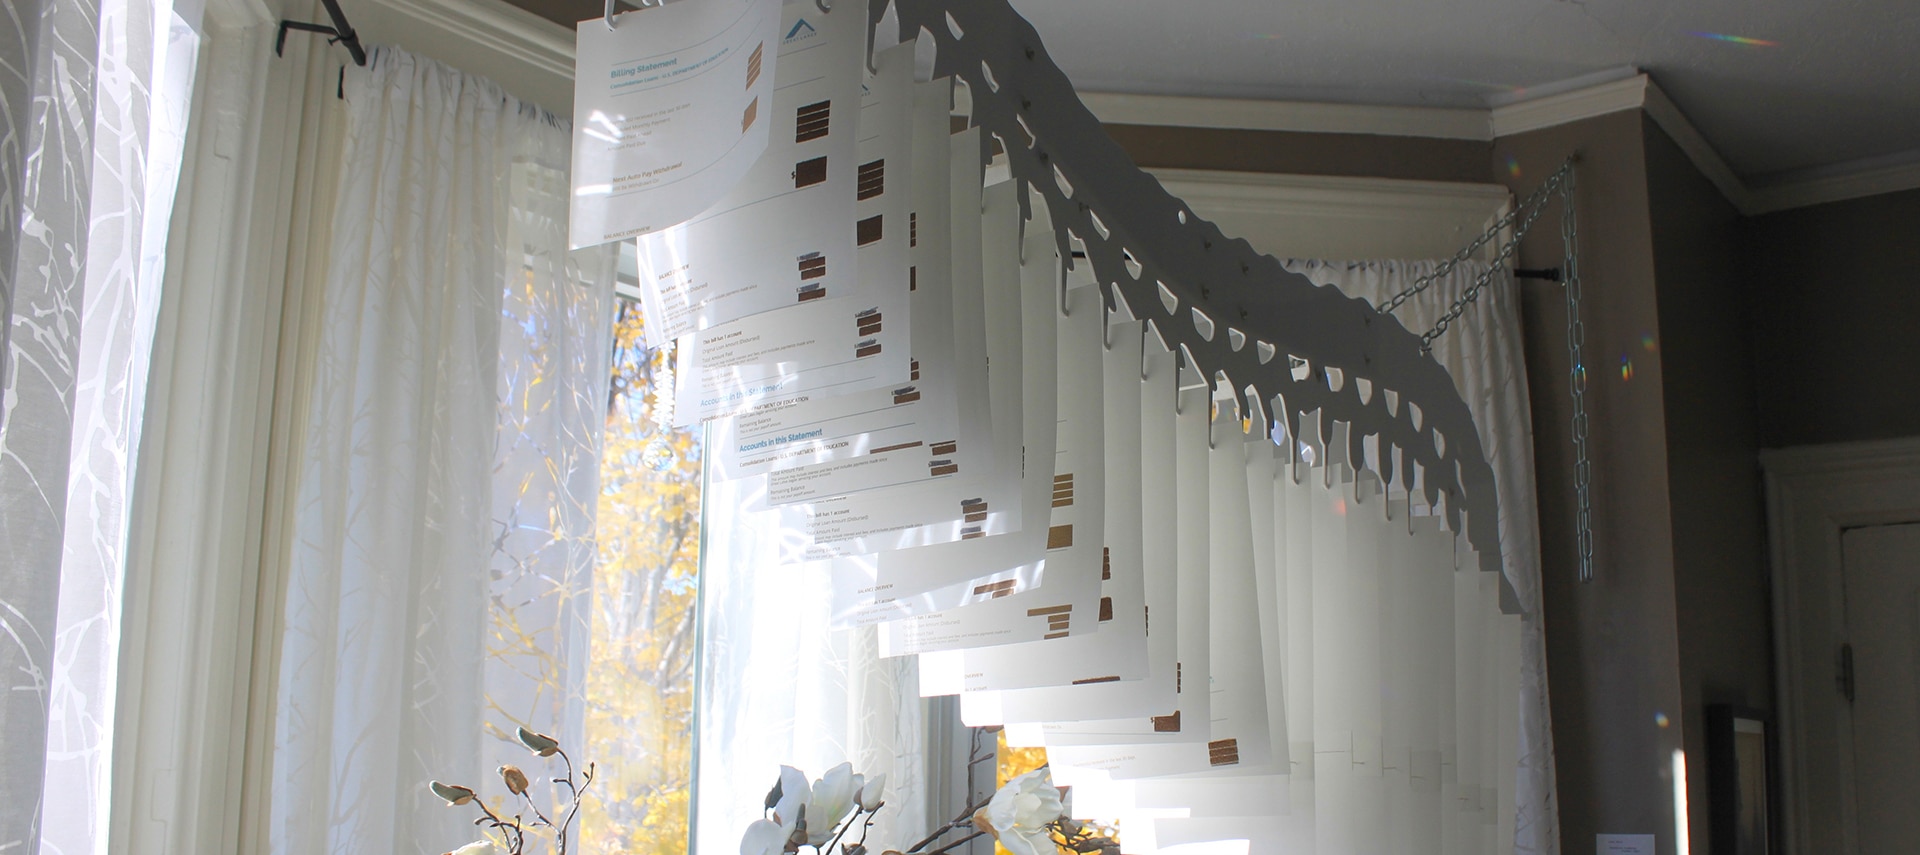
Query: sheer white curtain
pixel 442 542
pixel 92 107
pixel 779 686
pixel 1482 351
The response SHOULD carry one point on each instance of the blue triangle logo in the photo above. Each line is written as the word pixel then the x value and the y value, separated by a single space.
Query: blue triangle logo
pixel 797 25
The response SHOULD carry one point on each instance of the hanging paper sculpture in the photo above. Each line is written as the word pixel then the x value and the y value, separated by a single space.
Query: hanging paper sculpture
pixel 1058 446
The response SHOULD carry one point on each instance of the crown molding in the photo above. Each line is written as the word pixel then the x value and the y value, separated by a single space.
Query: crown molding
pixel 1836 184
pixel 1247 114
pixel 495 24
pixel 1565 107
pixel 548 47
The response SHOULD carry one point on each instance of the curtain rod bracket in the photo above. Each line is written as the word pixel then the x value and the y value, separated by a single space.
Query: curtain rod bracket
pixel 341 32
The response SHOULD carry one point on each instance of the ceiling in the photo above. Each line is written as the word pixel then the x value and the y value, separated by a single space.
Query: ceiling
pixel 1781 88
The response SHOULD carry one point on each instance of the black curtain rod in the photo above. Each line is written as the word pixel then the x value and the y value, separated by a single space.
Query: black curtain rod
pixel 341 33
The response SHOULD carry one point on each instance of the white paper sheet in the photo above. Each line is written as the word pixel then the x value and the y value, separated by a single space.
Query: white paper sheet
pixel 1210 834
pixel 669 113
pixel 1108 744
pixel 953 575
pixel 1068 556
pixel 1258 511
pixel 832 446
pixel 1238 731
pixel 1117 650
pixel 937 515
pixel 1248 795
pixel 810 350
pixel 770 242
pixel 1152 695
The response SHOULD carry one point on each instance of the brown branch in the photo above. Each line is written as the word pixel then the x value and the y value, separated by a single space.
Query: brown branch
pixel 965 818
pixel 956 844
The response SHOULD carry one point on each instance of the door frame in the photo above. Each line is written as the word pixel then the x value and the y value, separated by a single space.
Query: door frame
pixel 1814 494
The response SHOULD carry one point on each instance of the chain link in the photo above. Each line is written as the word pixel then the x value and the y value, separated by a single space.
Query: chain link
pixel 1576 342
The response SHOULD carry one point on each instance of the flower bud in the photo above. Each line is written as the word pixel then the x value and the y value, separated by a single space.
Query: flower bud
pixel 454 794
pixel 516 779
pixel 538 743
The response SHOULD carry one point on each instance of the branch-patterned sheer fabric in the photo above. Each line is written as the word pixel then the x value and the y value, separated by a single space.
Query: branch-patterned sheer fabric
pixel 442 554
pixel 93 98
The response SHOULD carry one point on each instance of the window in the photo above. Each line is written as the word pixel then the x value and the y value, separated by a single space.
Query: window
pixel 640 677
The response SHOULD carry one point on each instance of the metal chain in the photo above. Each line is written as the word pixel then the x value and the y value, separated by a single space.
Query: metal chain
pixel 1528 211
pixel 1576 341
pixel 1472 292
pixel 1525 215
pixel 1530 207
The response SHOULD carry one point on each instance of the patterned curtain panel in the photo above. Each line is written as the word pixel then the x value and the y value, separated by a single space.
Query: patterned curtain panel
pixel 90 138
pixel 47 57
pixel 442 545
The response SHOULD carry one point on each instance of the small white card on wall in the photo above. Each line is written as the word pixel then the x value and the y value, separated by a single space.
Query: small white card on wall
pixel 1623 844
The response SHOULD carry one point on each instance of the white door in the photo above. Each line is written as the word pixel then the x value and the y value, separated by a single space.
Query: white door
pixel 1881 575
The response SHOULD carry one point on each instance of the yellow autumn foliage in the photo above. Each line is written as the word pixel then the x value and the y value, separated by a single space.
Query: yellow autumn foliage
pixel 640 685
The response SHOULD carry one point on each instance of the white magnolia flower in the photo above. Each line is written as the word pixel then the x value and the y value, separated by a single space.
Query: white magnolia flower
pixel 873 793
pixel 824 803
pixel 478 847
pixel 831 800
pixel 766 837
pixel 794 794
pixel 1019 813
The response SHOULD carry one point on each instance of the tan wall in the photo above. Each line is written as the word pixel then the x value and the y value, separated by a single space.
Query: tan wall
pixel 1612 663
pixel 1287 152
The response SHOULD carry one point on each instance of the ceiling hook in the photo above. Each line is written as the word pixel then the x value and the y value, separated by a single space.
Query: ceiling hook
pixel 1179 362
pixel 1143 350
pixel 1106 325
pixel 611 13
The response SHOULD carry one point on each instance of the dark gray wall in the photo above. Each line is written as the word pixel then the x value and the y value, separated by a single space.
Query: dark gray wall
pixel 1704 345
pixel 1835 294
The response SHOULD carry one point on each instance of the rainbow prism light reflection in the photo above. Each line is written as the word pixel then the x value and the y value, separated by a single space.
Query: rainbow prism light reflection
pixel 1738 40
